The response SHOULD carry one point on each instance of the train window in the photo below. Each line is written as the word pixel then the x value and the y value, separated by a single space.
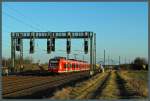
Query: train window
pixel 65 65
pixel 77 65
pixel 70 65
pixel 73 65
pixel 53 65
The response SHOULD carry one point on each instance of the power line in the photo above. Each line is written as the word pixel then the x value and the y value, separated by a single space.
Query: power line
pixel 24 16
pixel 20 21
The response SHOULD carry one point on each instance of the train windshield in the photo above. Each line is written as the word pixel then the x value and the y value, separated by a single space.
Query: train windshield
pixel 53 63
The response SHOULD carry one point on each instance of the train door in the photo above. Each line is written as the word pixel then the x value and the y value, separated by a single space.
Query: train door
pixel 66 66
pixel 81 66
pixel 70 67
pixel 78 65
pixel 73 66
pixel 60 67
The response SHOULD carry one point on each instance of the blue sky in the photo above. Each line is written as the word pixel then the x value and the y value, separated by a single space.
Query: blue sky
pixel 121 28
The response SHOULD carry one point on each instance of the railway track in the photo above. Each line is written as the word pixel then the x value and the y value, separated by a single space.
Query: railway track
pixel 110 85
pixel 25 76
pixel 32 88
pixel 113 86
pixel 90 91
pixel 10 80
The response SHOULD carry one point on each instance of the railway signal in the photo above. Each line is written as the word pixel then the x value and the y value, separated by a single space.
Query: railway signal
pixel 53 44
pixel 68 43
pixel 86 43
pixel 48 46
pixel 68 46
pixel 18 44
pixel 31 46
pixel 85 46
pixel 53 41
pixel 18 41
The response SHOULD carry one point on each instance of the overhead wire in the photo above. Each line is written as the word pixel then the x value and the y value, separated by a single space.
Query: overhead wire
pixel 31 20
pixel 22 22
pixel 33 28
pixel 18 20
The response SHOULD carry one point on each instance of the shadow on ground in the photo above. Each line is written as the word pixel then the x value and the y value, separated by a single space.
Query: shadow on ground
pixel 101 87
pixel 125 92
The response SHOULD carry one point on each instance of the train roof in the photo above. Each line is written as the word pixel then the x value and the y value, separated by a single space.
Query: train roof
pixel 57 58
pixel 78 60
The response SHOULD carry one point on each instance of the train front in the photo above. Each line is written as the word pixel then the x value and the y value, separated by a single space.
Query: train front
pixel 53 65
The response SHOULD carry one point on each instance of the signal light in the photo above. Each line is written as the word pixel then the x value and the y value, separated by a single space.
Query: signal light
pixel 85 46
pixel 68 42
pixel 18 41
pixel 68 46
pixel 53 44
pixel 48 46
pixel 85 42
pixel 18 44
pixel 17 47
pixel 31 46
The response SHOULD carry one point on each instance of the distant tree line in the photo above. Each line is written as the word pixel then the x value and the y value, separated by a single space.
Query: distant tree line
pixel 138 64
pixel 7 62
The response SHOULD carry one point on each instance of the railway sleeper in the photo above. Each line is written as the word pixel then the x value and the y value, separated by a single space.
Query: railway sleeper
pixel 43 90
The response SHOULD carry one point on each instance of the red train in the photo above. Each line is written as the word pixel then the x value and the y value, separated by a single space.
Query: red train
pixel 61 65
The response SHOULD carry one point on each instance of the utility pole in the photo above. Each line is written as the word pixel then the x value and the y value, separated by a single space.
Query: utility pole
pixel 119 61
pixel 108 59
pixel 104 57
pixel 91 55
pixel 94 50
pixel 129 61
pixel 112 62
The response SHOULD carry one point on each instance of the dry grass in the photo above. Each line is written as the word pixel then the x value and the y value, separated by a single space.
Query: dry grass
pixel 84 90
pixel 80 91
pixel 28 67
pixel 63 94
pixel 111 91
pixel 138 81
pixel 138 86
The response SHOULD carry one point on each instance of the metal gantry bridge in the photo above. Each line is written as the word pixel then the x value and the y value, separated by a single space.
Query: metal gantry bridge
pixel 53 35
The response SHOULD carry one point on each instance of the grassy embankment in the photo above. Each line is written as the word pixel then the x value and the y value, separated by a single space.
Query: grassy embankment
pixel 137 80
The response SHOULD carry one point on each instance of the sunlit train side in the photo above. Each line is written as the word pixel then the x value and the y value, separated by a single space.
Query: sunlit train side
pixel 61 65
